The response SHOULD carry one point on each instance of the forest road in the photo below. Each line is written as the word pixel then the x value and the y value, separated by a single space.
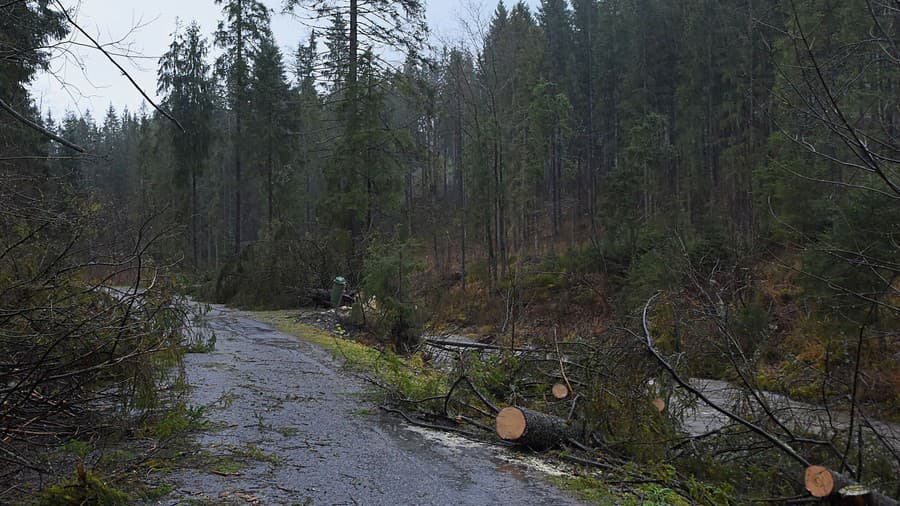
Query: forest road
pixel 292 428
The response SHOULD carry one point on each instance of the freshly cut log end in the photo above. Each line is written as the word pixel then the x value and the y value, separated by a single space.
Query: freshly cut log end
pixel 659 404
pixel 823 482
pixel 819 481
pixel 536 430
pixel 560 391
pixel 511 424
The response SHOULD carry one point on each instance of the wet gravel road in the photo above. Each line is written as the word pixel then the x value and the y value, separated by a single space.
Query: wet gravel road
pixel 304 433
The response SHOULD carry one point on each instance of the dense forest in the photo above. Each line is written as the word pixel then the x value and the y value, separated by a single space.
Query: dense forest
pixel 546 174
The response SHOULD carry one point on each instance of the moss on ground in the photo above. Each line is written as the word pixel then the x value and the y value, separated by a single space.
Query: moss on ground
pixel 84 487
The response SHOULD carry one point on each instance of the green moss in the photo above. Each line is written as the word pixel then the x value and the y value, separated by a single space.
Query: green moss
pixel 226 465
pixel 82 488
pixel 596 491
pixel 589 489
pixel 158 492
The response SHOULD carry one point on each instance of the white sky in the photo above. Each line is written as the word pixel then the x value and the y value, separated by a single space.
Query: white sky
pixel 88 81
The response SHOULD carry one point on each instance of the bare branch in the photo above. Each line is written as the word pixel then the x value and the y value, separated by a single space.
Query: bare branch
pixel 784 447
pixel 118 66
pixel 38 128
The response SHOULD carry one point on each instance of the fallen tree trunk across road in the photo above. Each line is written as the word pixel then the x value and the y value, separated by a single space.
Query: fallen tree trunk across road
pixel 536 430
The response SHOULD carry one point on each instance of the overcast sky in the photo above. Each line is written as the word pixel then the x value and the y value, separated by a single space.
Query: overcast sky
pixel 98 83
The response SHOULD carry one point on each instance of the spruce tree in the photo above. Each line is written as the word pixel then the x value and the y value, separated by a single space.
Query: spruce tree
pixel 184 79
pixel 240 35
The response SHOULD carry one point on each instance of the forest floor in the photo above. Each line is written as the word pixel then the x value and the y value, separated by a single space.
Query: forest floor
pixel 288 426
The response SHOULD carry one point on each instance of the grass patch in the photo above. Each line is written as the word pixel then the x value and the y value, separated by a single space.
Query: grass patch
pixel 407 377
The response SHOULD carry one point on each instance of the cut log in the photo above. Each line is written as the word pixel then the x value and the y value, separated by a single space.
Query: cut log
pixel 823 482
pixel 820 482
pixel 659 403
pixel 538 431
pixel 560 391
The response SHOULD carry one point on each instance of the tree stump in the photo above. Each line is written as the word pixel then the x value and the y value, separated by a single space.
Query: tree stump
pixel 538 431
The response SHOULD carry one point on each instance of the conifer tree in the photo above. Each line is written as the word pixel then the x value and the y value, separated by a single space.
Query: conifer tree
pixel 184 78
pixel 240 35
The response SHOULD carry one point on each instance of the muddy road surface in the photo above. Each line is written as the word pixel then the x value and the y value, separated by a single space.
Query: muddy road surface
pixel 290 427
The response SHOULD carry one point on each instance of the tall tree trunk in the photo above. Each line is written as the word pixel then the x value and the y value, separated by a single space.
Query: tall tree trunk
pixel 239 90
pixel 354 49
pixel 492 258
pixel 501 211
pixel 269 187
pixel 592 171
pixel 462 193
pixel 463 274
pixel 308 201
pixel 194 246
